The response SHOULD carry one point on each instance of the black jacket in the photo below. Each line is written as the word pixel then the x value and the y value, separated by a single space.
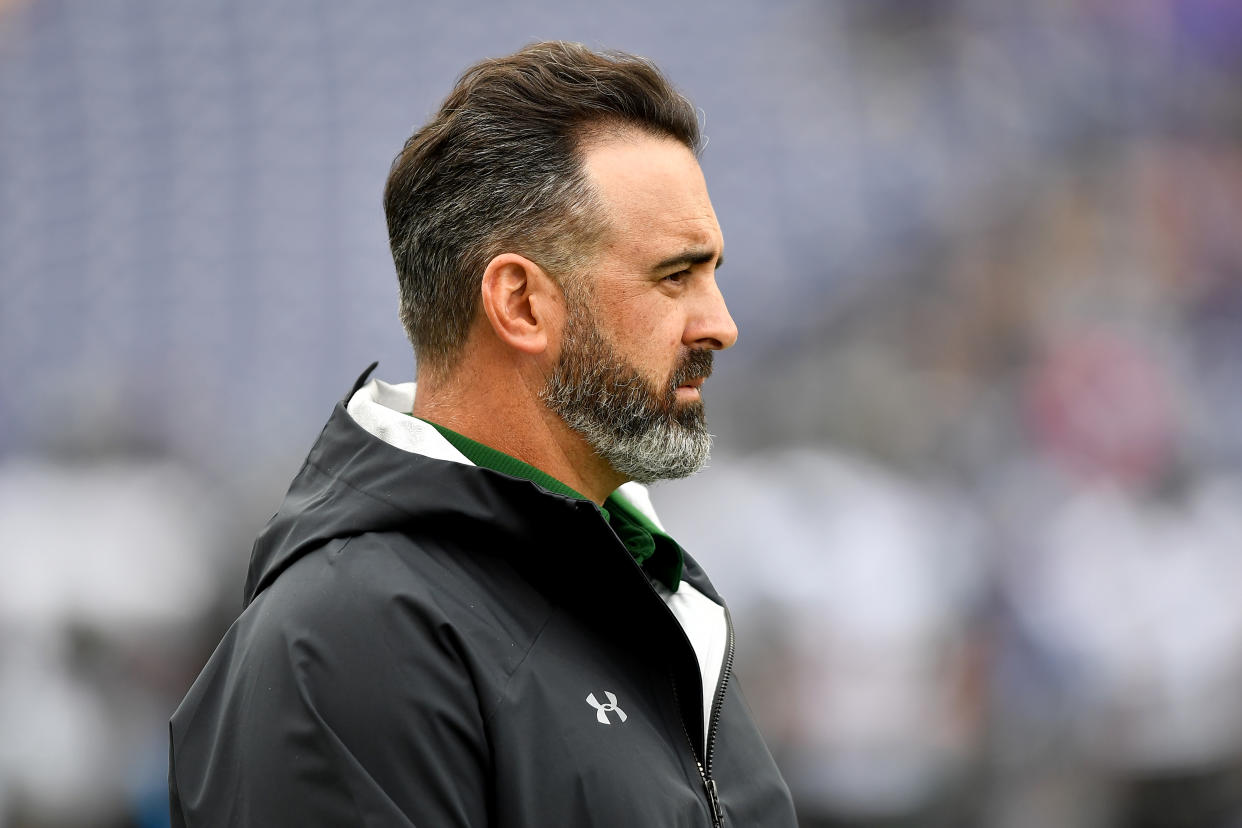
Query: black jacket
pixel 418 645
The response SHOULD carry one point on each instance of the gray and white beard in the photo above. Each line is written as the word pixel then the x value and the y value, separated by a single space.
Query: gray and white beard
pixel 643 433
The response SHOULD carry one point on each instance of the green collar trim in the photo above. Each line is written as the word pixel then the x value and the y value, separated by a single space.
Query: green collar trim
pixel 490 458
pixel 650 546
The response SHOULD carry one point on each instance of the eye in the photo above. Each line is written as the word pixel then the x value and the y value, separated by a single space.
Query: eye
pixel 677 277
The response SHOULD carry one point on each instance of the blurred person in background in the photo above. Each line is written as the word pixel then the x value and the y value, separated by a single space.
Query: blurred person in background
pixel 466 611
pixel 1121 593
pixel 101 625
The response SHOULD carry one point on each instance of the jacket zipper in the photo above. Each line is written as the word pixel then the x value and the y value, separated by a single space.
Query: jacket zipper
pixel 705 767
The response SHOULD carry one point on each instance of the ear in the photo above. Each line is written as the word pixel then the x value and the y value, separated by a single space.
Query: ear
pixel 520 300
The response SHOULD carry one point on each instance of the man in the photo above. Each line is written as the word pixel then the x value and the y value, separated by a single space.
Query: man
pixel 465 612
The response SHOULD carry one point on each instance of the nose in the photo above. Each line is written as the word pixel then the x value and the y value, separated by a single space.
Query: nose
pixel 710 325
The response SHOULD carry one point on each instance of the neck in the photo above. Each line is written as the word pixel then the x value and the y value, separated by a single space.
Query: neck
pixel 498 405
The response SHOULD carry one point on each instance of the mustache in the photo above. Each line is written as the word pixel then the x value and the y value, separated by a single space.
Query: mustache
pixel 696 363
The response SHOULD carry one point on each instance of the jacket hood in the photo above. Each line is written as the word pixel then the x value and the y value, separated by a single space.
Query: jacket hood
pixel 374 468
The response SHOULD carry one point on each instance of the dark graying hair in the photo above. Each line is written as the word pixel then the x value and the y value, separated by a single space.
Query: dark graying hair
pixel 498 169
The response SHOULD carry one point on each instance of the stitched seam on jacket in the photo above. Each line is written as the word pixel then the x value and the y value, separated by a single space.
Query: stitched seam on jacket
pixel 509 678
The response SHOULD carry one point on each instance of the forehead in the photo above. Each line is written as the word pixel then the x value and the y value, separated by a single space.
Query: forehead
pixel 653 195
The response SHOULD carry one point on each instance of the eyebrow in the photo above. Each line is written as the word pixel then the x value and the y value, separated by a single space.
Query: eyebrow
pixel 693 256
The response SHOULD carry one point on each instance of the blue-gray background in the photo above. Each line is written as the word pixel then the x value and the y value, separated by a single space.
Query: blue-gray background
pixel 973 497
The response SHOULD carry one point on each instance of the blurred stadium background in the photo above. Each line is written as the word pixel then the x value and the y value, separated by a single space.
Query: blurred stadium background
pixel 976 500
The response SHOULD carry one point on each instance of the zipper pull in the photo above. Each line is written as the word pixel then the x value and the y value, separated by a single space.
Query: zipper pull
pixel 714 799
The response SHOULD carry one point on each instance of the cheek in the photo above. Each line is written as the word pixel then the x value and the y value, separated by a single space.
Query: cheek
pixel 659 330
pixel 659 341
pixel 650 334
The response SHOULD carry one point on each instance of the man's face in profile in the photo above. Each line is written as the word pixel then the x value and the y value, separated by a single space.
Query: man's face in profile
pixel 638 342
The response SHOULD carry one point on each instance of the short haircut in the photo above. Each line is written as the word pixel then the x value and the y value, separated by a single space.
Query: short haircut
pixel 499 169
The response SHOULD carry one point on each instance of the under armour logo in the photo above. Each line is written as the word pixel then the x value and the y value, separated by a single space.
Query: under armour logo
pixel 602 710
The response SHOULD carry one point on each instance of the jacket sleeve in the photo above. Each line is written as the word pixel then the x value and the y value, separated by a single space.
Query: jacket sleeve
pixel 334 700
